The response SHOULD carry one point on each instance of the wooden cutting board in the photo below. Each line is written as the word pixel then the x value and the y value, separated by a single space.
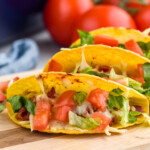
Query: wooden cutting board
pixel 13 137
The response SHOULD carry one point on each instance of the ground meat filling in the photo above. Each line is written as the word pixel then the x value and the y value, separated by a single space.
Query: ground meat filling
pixel 23 114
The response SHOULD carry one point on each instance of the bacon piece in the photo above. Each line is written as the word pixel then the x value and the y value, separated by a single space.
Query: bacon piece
pixel 139 108
pixel 23 114
pixel 104 68
pixel 51 93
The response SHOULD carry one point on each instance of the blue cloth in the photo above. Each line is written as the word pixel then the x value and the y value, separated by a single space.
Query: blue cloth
pixel 24 55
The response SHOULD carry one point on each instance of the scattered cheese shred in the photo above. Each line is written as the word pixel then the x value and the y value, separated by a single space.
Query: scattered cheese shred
pixel 146 32
pixel 84 64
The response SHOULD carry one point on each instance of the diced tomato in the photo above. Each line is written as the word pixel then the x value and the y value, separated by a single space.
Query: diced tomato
pixel 15 79
pixel 61 113
pixel 106 40
pixel 140 76
pixel 4 85
pixel 140 70
pixel 105 121
pixel 133 46
pixel 98 98
pixel 2 96
pixel 54 66
pixel 122 81
pixel 42 115
pixel 139 79
pixel 66 99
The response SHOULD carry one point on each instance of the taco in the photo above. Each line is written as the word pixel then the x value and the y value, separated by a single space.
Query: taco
pixel 128 39
pixel 111 63
pixel 74 104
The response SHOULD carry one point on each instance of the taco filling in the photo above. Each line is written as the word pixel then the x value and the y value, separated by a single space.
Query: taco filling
pixel 139 47
pixel 140 82
pixel 96 110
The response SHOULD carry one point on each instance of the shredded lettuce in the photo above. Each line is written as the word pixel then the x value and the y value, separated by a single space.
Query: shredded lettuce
pixel 91 72
pixel 146 69
pixel 121 46
pixel 83 123
pixel 86 70
pixel 2 107
pixel 17 102
pixel 118 101
pixel 79 97
pixel 124 119
pixel 133 116
pixel 145 48
pixel 86 38
pixel 115 99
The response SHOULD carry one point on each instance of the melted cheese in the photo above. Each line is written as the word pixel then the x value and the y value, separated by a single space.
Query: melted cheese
pixel 83 64
pixel 24 122
pixel 66 82
pixel 84 110
pixel 107 113
pixel 31 122
pixel 10 83
pixel 146 32
pixel 111 129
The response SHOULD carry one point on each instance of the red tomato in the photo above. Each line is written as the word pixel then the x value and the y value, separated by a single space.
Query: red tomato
pixel 2 96
pixel 16 79
pixel 103 16
pixel 140 76
pixel 142 18
pixel 105 121
pixel 61 113
pixel 42 115
pixel 4 86
pixel 61 15
pixel 98 98
pixel 66 99
pixel 134 47
pixel 54 66
pixel 106 40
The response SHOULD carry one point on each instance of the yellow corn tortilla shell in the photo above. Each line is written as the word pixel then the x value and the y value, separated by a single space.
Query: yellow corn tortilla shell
pixel 97 55
pixel 121 34
pixel 29 87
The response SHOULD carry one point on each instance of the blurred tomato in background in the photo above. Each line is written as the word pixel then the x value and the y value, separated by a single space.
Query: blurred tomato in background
pixel 63 18
pixel 60 16
pixel 103 16
pixel 142 18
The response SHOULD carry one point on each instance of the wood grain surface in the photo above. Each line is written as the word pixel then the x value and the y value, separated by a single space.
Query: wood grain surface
pixel 13 137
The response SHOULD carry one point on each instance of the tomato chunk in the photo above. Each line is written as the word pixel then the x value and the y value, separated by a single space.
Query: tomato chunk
pixel 105 121
pixel 16 79
pixel 4 85
pixel 106 40
pixel 98 98
pixel 2 96
pixel 66 99
pixel 42 115
pixel 54 66
pixel 140 76
pixel 133 46
pixel 61 113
